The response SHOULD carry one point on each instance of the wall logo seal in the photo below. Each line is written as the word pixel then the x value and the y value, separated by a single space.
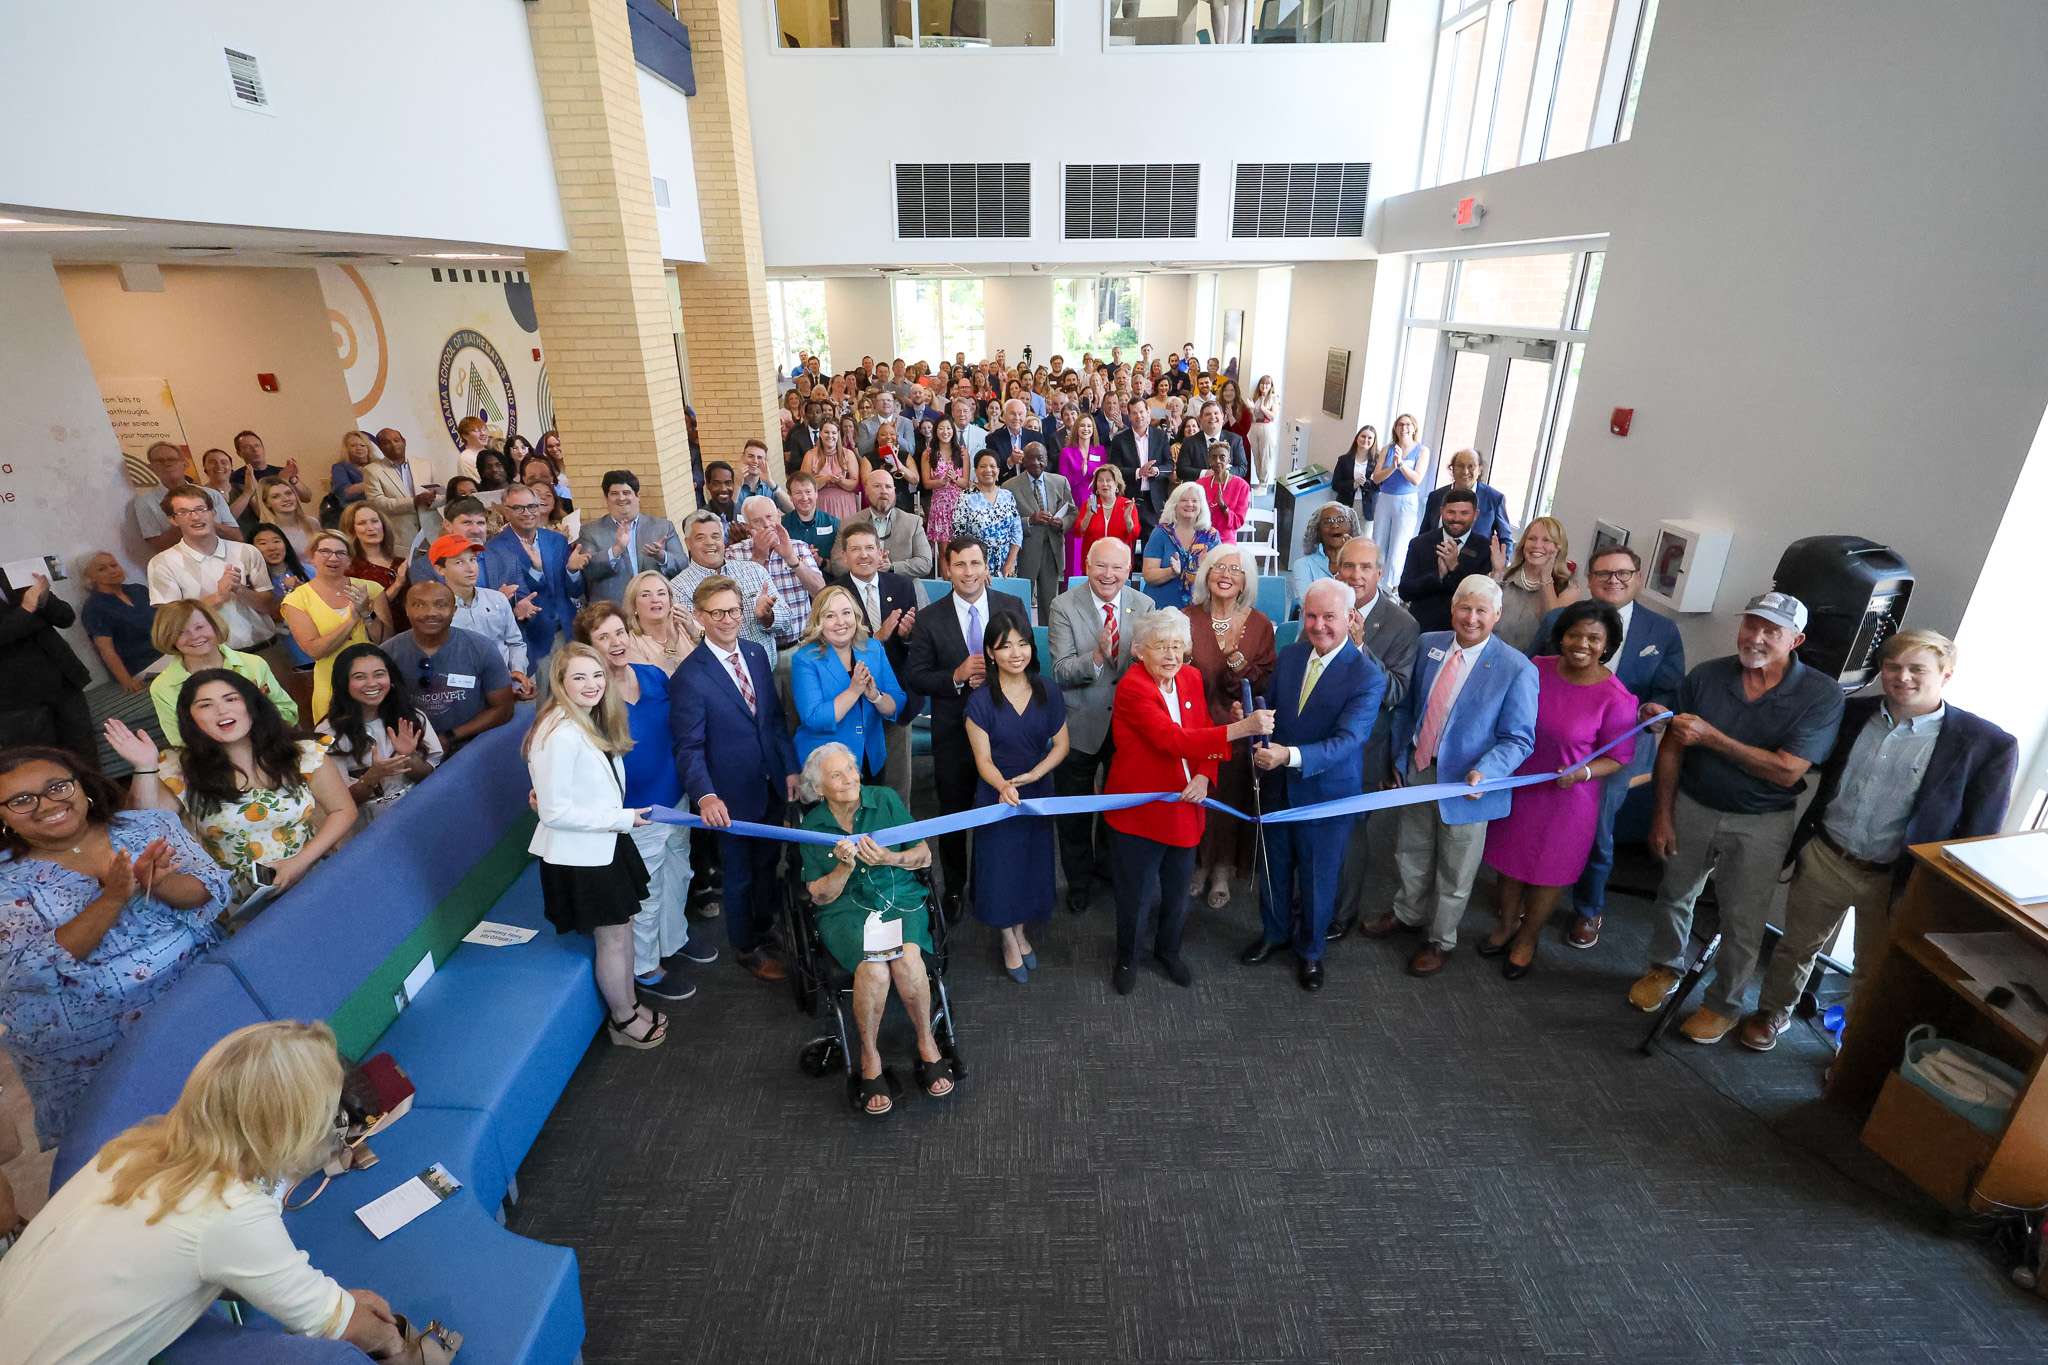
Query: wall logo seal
pixel 475 383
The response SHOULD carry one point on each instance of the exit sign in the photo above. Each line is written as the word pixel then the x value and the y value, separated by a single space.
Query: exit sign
pixel 1469 212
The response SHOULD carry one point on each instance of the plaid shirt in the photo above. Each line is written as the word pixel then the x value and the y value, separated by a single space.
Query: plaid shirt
pixel 792 598
pixel 751 579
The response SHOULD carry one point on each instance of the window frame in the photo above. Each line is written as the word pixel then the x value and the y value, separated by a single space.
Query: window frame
pixel 771 29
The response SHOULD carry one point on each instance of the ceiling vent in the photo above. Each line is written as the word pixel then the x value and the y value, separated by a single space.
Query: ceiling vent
pixel 1127 201
pixel 1300 199
pixel 963 199
pixel 660 193
pixel 245 81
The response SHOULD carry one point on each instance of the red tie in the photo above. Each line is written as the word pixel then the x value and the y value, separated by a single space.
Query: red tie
pixel 1109 619
pixel 739 673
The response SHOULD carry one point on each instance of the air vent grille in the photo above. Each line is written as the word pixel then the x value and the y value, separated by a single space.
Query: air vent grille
pixel 245 80
pixel 1300 199
pixel 660 193
pixel 963 199
pixel 1132 200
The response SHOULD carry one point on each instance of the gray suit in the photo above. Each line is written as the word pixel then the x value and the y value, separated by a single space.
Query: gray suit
pixel 909 551
pixel 1075 627
pixel 1390 637
pixel 906 436
pixel 609 571
pixel 1043 560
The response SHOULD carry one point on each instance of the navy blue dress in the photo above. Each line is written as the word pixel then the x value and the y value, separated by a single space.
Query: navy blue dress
pixel 1013 859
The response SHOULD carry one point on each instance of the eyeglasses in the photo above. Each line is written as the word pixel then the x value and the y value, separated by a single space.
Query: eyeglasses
pixel 1612 575
pixel 57 793
pixel 1233 570
pixel 330 552
pixel 723 613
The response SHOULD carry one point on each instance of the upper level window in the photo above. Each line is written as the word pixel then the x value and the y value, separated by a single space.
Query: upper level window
pixel 1094 315
pixel 915 23
pixel 1518 81
pixel 796 323
pixel 1156 23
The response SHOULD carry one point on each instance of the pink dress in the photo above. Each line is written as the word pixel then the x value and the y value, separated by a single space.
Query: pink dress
pixel 1544 840
pixel 1078 467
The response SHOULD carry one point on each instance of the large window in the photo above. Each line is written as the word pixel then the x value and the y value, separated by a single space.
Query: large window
pixel 936 319
pixel 1200 23
pixel 796 323
pixel 1093 315
pixel 1490 359
pixel 915 23
pixel 1518 81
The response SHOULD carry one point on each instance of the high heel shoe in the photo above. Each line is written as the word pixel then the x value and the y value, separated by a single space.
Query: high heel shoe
pixel 1515 971
pixel 1486 947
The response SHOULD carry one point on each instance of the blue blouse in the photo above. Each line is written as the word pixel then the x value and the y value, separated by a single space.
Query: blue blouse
pixel 63 1016
pixel 996 523
pixel 651 763
pixel 127 624
pixel 1397 486
pixel 816 676
pixel 1175 593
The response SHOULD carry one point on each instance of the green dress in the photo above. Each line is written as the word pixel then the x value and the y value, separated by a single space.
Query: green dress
pixel 894 891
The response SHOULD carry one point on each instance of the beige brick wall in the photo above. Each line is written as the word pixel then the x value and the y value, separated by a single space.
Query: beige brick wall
pixel 725 300
pixel 603 304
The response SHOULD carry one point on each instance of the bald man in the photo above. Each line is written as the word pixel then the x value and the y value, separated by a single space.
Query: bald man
pixel 402 492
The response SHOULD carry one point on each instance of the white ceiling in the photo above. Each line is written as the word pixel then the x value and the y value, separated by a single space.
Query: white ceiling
pixel 69 237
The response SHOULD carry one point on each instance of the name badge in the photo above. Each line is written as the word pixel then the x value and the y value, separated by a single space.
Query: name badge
pixel 462 679
pixel 1436 654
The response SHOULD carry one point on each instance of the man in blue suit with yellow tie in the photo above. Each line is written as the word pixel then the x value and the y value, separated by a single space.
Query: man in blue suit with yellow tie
pixel 1326 696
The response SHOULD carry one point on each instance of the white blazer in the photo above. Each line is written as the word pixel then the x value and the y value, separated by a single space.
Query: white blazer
pixel 579 793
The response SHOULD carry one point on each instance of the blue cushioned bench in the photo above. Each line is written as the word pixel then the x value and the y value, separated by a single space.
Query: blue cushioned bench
pixel 490 1041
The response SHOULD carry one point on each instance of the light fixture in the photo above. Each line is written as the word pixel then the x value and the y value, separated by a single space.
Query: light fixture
pixel 21 225
pixel 466 256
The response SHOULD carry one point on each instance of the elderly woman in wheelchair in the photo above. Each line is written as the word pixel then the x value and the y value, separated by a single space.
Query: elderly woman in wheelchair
pixel 871 914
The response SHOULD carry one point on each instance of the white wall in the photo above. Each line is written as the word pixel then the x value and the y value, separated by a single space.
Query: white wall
pixel 61 488
pixel 1341 102
pixel 1821 284
pixel 665 113
pixel 1163 312
pixel 859 320
pixel 1265 342
pixel 1018 312
pixel 1332 305
pixel 392 117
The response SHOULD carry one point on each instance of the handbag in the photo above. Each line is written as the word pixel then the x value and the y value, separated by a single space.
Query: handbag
pixel 375 1094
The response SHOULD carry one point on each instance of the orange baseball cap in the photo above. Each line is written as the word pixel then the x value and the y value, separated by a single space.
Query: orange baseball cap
pixel 447 547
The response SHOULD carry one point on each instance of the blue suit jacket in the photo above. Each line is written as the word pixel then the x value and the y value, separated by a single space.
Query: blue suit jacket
pixel 748 764
pixel 1651 662
pixel 505 562
pixel 1331 731
pixel 816 677
pixel 1492 726
pixel 1491 521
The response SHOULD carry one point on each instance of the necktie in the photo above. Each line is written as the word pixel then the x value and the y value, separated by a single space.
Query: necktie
pixel 1110 635
pixel 1438 711
pixel 874 608
pixel 1038 491
pixel 739 673
pixel 974 629
pixel 1308 681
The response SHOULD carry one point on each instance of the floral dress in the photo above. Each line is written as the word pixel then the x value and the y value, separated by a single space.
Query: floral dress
pixel 63 1016
pixel 997 524
pixel 943 497
pixel 267 826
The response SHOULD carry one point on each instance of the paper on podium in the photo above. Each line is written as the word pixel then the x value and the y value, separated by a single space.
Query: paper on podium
pixel 2016 866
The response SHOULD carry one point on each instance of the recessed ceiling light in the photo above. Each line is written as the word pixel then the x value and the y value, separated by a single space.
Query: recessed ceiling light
pixel 466 256
pixel 18 225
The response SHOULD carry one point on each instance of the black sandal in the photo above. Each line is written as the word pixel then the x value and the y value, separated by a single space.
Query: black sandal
pixel 871 1086
pixel 623 1035
pixel 929 1073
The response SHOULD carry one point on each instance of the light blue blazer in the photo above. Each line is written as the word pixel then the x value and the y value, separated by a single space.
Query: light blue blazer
pixel 1492 726
pixel 816 676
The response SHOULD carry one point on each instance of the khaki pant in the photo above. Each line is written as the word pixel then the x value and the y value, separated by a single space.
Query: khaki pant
pixel 1437 864
pixel 1743 854
pixel 1825 888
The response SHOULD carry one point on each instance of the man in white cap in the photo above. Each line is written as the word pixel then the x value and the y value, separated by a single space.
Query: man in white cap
pixel 1729 773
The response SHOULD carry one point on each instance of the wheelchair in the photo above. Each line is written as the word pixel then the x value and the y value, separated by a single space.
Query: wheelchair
pixel 824 990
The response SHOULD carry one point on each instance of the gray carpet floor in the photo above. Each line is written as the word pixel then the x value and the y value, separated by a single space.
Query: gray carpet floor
pixel 1460 1169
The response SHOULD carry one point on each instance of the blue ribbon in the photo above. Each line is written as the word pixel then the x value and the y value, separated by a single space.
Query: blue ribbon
pixel 1083 805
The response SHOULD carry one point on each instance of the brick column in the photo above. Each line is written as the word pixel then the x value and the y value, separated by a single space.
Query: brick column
pixel 603 303
pixel 725 300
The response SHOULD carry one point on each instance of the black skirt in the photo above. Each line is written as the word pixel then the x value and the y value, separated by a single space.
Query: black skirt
pixel 580 899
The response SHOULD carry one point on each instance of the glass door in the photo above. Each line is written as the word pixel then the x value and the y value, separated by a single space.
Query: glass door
pixel 1495 398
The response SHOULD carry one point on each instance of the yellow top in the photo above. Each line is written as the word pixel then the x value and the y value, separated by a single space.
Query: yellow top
pixel 326 618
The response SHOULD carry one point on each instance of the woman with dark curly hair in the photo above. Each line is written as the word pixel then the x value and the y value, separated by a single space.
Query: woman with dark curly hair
pixel 383 742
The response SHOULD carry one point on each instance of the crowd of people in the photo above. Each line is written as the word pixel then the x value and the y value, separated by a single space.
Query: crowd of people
pixel 762 662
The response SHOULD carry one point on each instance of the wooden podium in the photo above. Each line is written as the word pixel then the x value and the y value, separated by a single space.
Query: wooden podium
pixel 1916 983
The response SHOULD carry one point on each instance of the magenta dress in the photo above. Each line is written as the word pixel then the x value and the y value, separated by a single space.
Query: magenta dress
pixel 1544 840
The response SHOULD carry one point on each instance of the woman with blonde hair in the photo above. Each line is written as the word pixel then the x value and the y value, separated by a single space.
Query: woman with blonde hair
pixel 278 502
pixel 1397 487
pixel 1265 429
pixel 661 635
pixel 194 638
pixel 187 1206
pixel 592 878
pixel 1535 583
pixel 333 610
pixel 1177 545
pixel 843 684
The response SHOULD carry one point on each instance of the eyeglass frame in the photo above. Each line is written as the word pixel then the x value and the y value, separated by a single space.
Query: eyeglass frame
pixel 35 799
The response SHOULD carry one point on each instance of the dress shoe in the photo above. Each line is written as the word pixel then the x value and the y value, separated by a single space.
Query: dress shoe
pixel 1386 926
pixel 1124 978
pixel 1584 931
pixel 1486 947
pixel 1077 901
pixel 763 965
pixel 1760 1029
pixel 1176 971
pixel 1515 971
pixel 1338 928
pixel 1311 975
pixel 1428 961
pixel 1257 951
pixel 952 908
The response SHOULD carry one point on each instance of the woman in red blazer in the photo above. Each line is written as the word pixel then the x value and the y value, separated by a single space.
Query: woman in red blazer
pixel 1164 743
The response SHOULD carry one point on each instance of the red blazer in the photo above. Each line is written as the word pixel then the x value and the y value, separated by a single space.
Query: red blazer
pixel 1149 750
pixel 1228 508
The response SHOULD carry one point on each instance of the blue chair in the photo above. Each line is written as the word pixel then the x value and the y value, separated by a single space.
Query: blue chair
pixel 1285 633
pixel 930 590
pixel 1043 639
pixel 1273 597
pixel 1019 588
pixel 1076 580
